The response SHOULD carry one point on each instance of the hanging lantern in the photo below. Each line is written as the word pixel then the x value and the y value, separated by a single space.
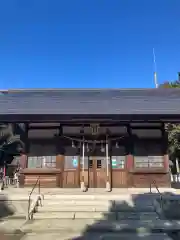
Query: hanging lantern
pixel 102 148
pixel 117 145
pixel 87 147
pixel 73 145
pixel 79 145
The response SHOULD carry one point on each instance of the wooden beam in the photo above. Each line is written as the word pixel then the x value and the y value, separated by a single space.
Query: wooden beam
pixel 87 118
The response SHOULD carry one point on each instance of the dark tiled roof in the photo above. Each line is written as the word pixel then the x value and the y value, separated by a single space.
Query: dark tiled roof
pixel 91 101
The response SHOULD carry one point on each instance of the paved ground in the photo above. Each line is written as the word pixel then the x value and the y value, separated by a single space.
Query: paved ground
pixel 66 229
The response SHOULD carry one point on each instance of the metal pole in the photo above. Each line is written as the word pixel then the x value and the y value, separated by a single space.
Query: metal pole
pixel 108 186
pixel 107 159
pixel 83 187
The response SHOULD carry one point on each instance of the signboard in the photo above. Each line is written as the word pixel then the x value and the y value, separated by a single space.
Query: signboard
pixel 75 162
pixel 114 163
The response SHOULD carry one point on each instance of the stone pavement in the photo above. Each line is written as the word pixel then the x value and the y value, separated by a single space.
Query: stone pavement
pixel 96 236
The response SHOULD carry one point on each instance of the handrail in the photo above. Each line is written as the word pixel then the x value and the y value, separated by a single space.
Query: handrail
pixel 29 198
pixel 153 182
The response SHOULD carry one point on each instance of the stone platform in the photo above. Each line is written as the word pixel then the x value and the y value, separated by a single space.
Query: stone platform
pixel 96 214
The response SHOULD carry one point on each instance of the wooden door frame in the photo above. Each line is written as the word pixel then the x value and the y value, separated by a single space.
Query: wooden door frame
pixel 93 171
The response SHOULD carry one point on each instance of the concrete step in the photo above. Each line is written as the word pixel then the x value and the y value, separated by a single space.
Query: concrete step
pixel 13 209
pixel 11 225
pixel 73 215
pixel 96 207
pixel 96 236
pixel 104 197
pixel 95 215
pixel 94 225
pixel 78 202
pixel 137 216
pixel 88 197
pixel 146 202
pixel 73 208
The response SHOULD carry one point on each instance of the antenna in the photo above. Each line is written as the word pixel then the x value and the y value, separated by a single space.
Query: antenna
pixel 155 70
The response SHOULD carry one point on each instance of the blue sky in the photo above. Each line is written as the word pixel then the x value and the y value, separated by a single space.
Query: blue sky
pixel 88 43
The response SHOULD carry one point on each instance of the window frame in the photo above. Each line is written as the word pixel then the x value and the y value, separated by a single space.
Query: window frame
pixel 148 159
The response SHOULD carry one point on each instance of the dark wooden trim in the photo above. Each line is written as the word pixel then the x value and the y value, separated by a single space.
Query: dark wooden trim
pixel 130 142
pixel 78 136
pixel 145 127
pixel 165 148
pixel 87 125
pixel 42 140
pixel 165 139
pixel 43 127
pixel 19 118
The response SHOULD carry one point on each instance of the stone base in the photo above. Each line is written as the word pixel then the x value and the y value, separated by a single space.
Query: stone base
pixel 108 186
pixel 83 187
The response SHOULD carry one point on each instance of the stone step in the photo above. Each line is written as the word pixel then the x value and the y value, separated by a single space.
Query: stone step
pixel 78 202
pixel 148 202
pixel 96 236
pixel 93 208
pixel 137 216
pixel 73 215
pixel 95 215
pixel 73 208
pixel 11 225
pixel 88 197
pixel 94 225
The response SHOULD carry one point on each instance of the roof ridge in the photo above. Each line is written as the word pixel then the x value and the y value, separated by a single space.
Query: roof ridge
pixel 85 89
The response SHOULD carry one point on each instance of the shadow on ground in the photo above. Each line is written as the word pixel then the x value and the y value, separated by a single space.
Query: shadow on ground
pixel 7 210
pixel 109 228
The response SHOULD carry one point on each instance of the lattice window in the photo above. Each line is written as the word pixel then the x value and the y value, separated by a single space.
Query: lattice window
pixel 148 155
pixel 42 162
pixel 118 162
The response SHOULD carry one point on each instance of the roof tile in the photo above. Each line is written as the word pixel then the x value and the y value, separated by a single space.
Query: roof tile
pixel 88 101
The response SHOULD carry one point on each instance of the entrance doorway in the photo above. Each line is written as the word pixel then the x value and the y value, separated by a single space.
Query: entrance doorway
pixel 97 172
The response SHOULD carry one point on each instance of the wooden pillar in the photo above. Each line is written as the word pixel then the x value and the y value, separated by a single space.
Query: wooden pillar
pixel 78 171
pixel 60 167
pixel 166 155
pixel 165 147
pixel 24 156
pixel 60 158
pixel 129 156
pixel 129 150
pixel 110 166
pixel 108 182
